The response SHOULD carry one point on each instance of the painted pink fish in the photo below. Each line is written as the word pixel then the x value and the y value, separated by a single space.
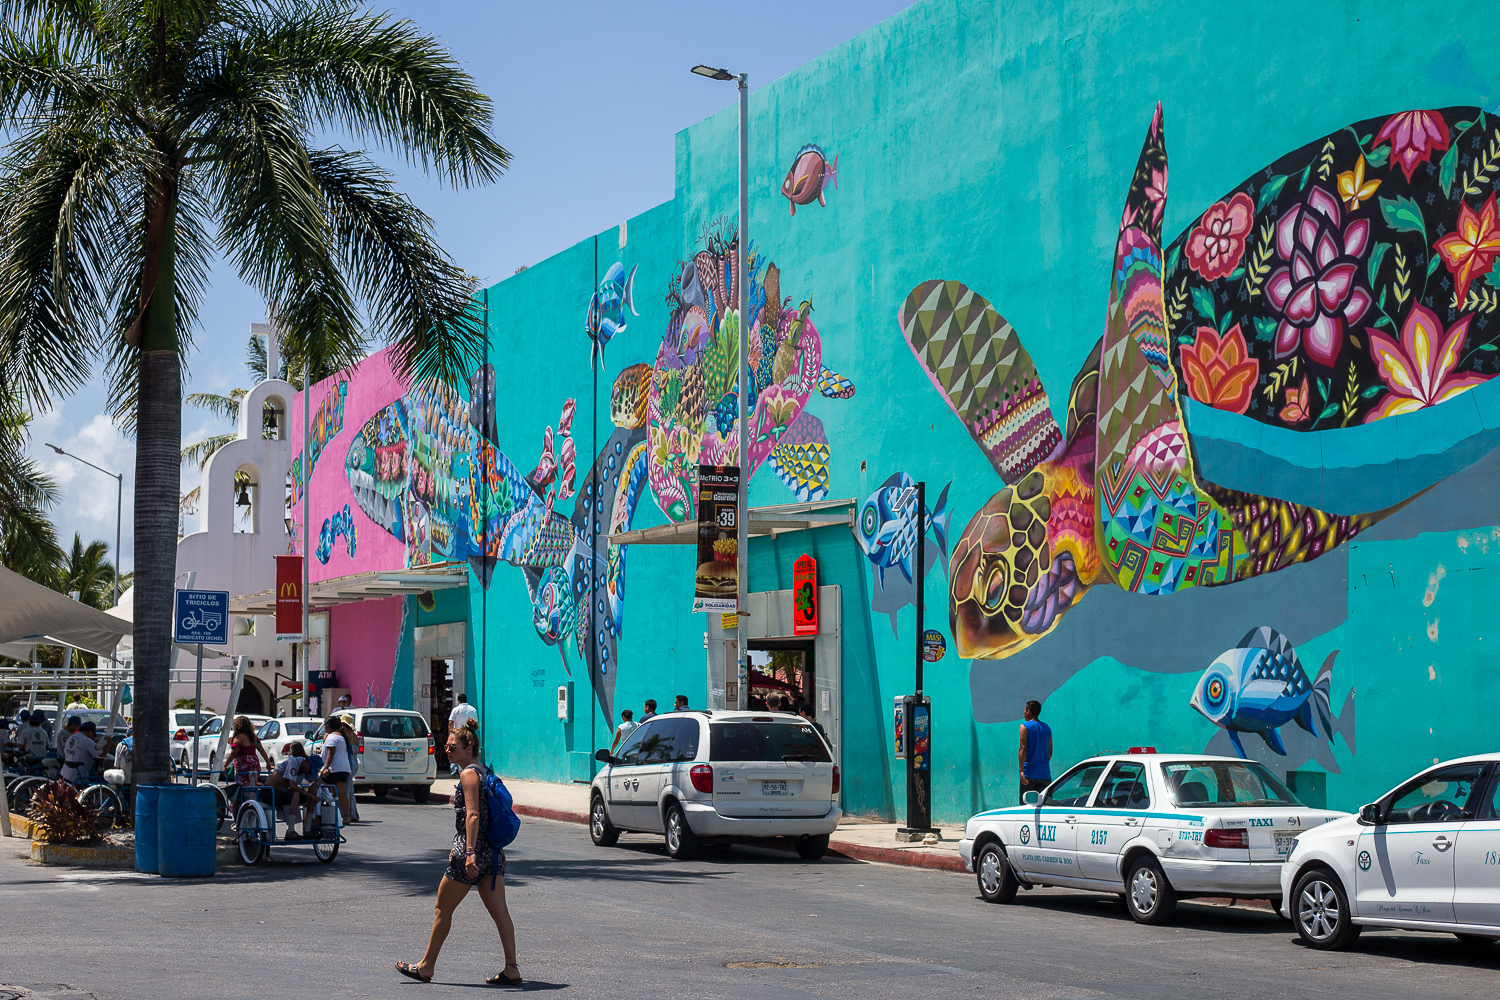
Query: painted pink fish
pixel 810 173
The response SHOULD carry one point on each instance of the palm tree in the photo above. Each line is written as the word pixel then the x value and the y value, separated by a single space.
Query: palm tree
pixel 28 541
pixel 151 135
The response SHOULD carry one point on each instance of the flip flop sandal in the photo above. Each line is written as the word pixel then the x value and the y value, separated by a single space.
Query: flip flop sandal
pixel 410 972
pixel 501 979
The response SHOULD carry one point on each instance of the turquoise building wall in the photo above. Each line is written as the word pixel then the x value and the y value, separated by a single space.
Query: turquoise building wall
pixel 993 144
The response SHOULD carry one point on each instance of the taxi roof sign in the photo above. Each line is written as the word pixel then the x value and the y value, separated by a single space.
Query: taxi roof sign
pixel 1142 750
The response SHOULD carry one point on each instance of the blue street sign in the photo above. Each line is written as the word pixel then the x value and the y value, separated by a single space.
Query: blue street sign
pixel 201 616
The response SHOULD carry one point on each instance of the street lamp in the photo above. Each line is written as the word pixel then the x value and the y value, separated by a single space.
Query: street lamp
pixel 742 514
pixel 119 507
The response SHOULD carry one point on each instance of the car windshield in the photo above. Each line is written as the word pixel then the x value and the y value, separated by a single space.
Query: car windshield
pixel 1225 784
pixel 765 741
pixel 393 727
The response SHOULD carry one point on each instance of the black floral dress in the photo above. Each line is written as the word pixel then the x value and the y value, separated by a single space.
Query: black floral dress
pixel 483 858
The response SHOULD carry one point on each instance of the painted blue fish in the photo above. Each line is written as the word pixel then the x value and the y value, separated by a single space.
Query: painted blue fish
pixel 606 315
pixel 1259 686
pixel 889 536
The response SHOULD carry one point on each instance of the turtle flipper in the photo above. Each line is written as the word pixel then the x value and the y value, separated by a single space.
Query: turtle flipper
pixel 976 361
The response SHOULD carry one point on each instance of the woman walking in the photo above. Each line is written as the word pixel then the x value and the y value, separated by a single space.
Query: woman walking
pixel 471 862
pixel 338 767
pixel 242 749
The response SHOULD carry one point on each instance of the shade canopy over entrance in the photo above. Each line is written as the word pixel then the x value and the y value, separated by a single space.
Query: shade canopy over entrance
pixel 370 586
pixel 764 521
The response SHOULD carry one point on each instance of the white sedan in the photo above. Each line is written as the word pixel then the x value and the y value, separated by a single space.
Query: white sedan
pixel 1154 828
pixel 280 734
pixel 1424 856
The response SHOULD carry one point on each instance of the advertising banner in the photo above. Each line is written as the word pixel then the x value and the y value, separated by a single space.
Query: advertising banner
pixel 933 645
pixel 288 598
pixel 717 580
pixel 805 596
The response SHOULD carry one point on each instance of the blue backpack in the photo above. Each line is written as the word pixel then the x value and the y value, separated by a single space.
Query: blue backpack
pixel 504 823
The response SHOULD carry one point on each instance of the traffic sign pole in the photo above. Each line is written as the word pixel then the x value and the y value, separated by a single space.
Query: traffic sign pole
pixel 197 710
pixel 917 716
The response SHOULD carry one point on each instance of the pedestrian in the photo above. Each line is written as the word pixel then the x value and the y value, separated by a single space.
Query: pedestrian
pixel 462 713
pixel 242 748
pixel 680 703
pixel 805 710
pixel 624 729
pixel 1035 755
pixel 352 746
pixel 470 862
pixel 338 770
pixel 343 703
pixel 649 711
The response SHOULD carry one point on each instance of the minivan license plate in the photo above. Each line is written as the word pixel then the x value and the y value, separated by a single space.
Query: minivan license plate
pixel 1284 840
pixel 395 756
pixel 774 788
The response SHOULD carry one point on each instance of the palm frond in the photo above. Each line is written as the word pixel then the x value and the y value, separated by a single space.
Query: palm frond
pixel 201 451
pixel 224 407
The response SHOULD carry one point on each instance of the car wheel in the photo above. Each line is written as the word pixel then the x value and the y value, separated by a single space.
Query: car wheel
pixel 682 842
pixel 1320 909
pixel 812 848
pixel 997 883
pixel 601 831
pixel 1475 940
pixel 1149 897
pixel 420 793
pixel 380 791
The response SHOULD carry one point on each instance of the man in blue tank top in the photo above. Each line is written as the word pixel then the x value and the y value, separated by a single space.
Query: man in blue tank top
pixel 1035 756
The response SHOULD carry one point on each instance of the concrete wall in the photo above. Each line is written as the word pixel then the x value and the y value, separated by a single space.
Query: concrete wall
pixel 992 145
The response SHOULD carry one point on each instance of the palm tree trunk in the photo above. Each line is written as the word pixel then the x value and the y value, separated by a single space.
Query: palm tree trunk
pixel 158 475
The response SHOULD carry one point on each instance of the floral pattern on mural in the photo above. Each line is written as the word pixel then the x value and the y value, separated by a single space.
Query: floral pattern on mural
pixel 1330 251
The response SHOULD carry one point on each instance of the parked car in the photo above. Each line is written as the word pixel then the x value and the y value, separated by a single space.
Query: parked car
pixel 180 723
pixel 207 741
pixel 396 750
pixel 279 734
pixel 1154 828
pixel 715 777
pixel 1424 856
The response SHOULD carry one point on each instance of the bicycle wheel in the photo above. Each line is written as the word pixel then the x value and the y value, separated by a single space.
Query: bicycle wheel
pixel 20 796
pixel 221 807
pixel 326 850
pixel 253 831
pixel 106 803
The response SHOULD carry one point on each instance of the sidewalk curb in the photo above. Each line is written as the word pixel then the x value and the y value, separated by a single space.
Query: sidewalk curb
pixel 859 852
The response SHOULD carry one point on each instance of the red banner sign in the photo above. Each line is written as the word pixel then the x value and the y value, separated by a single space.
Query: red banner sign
pixel 288 598
pixel 805 596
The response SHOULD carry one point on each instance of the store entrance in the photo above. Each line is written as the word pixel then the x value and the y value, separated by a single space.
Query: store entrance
pixel 784 669
pixel 441 688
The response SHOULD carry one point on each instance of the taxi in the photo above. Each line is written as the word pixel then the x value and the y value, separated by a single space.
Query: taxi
pixel 1424 856
pixel 1154 828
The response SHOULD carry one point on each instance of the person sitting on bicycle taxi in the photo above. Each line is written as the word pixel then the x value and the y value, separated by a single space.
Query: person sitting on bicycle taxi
pixel 31 735
pixel 242 749
pixel 80 752
pixel 295 788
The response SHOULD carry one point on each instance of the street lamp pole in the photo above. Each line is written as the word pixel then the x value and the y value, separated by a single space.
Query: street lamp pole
pixel 119 478
pixel 741 277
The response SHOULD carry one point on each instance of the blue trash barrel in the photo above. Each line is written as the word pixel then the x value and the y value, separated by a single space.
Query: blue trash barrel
pixel 145 828
pixel 187 825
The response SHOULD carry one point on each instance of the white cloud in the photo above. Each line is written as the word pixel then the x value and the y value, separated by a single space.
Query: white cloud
pixel 89 497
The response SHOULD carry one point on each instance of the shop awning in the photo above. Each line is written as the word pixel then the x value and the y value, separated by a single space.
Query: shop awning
pixel 31 613
pixel 370 586
pixel 769 521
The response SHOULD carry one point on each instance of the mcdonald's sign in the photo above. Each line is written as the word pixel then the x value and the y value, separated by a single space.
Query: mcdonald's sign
pixel 288 598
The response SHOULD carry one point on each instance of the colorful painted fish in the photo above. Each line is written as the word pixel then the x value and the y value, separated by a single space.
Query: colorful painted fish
pixel 606 315
pixel 1259 686
pixel 889 536
pixel 810 173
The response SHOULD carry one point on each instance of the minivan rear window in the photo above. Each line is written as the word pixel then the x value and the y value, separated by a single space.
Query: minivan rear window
pixel 393 727
pixel 300 728
pixel 765 741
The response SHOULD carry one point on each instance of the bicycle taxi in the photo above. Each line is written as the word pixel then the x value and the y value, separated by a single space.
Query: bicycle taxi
pixel 259 826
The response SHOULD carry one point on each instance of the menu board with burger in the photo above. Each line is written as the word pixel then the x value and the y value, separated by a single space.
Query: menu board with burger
pixel 718 523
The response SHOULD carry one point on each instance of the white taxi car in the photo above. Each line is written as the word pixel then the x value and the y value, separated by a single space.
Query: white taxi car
pixel 1424 856
pixel 396 750
pixel 279 735
pixel 714 777
pixel 1154 828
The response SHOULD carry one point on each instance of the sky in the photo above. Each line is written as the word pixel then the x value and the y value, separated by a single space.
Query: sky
pixel 588 97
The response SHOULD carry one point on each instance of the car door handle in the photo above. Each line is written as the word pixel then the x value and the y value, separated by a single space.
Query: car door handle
pixel 1131 821
pixel 1441 843
pixel 1070 819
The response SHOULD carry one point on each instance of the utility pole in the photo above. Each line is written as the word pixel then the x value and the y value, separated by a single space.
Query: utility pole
pixel 916 712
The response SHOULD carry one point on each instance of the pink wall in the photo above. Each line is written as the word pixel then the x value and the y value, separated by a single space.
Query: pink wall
pixel 362 648
pixel 371 386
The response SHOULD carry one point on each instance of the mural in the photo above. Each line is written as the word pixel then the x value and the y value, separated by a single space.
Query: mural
pixel 810 174
pixel 1115 498
pixel 887 532
pixel 692 407
pixel 339 525
pixel 605 318
pixel 1349 281
pixel 1260 686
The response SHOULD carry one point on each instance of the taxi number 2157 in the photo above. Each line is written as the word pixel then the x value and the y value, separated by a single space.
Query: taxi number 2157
pixel 1099 836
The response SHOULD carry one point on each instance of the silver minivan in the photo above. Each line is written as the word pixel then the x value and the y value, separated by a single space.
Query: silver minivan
pixel 700 777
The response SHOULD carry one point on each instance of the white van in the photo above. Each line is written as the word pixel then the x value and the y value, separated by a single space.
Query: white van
pixel 715 777
pixel 395 751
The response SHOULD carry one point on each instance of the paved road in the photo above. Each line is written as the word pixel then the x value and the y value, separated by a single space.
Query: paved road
pixel 628 922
